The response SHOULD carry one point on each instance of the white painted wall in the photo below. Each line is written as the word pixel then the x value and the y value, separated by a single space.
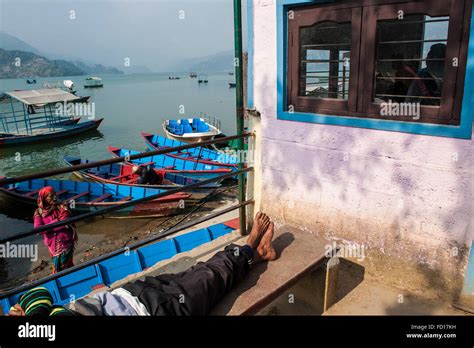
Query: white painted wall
pixel 404 195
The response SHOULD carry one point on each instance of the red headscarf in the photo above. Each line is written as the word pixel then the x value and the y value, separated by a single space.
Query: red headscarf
pixel 45 208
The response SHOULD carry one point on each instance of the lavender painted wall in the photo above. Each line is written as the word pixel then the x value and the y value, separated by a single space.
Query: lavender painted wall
pixel 403 195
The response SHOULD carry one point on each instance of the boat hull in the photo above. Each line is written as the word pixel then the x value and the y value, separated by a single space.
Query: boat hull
pixel 178 166
pixel 24 194
pixel 193 140
pixel 205 156
pixel 117 170
pixel 79 128
pixel 146 210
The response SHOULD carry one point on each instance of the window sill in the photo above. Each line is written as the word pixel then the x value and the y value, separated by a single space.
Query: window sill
pixel 462 132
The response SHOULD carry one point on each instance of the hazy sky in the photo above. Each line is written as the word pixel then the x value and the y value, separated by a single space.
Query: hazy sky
pixel 154 33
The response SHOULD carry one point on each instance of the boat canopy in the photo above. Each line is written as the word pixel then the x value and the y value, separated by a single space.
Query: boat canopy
pixel 40 97
pixel 40 114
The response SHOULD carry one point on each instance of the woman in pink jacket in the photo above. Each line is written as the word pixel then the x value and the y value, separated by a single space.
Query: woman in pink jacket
pixel 61 240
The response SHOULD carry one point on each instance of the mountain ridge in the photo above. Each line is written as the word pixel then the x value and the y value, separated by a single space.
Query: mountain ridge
pixel 41 64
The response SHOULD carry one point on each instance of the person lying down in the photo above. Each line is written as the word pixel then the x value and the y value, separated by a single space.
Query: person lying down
pixel 192 292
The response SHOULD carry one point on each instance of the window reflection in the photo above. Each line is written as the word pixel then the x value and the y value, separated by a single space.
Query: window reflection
pixel 411 54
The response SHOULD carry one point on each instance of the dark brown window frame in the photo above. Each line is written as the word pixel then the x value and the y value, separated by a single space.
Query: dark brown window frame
pixel 362 71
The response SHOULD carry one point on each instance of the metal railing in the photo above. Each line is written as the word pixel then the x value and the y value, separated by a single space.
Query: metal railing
pixel 241 206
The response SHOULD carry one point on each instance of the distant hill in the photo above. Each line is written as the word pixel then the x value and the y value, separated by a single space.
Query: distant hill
pixel 11 43
pixel 96 69
pixel 32 64
pixel 223 61
pixel 36 63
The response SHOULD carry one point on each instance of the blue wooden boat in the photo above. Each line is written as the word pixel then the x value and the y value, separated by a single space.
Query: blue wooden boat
pixel 88 196
pixel 172 165
pixel 118 173
pixel 30 116
pixel 42 135
pixel 196 154
pixel 104 273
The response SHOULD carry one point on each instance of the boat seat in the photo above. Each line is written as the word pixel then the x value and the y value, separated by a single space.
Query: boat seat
pixel 101 198
pixel 299 253
pixel 196 122
pixel 172 123
pixel 187 129
pixel 174 128
pixel 79 195
pixel 202 127
pixel 178 130
pixel 126 199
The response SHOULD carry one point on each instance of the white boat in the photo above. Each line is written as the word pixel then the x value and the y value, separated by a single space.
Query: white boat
pixel 93 82
pixel 66 85
pixel 192 130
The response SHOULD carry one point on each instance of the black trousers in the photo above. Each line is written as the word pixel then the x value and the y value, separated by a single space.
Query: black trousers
pixel 197 290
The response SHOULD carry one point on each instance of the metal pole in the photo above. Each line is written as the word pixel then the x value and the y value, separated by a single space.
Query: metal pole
pixel 239 105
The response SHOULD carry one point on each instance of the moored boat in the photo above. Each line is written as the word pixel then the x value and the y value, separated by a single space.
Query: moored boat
pixel 192 130
pixel 90 196
pixel 203 79
pixel 120 174
pixel 9 139
pixel 196 154
pixel 93 82
pixel 172 165
pixel 30 116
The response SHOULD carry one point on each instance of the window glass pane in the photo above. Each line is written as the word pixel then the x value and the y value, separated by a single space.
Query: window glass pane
pixel 325 60
pixel 411 54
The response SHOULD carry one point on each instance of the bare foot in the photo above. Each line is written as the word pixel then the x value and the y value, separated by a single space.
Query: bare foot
pixel 260 225
pixel 265 250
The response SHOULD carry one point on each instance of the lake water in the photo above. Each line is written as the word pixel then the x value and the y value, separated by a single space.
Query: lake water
pixel 129 104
